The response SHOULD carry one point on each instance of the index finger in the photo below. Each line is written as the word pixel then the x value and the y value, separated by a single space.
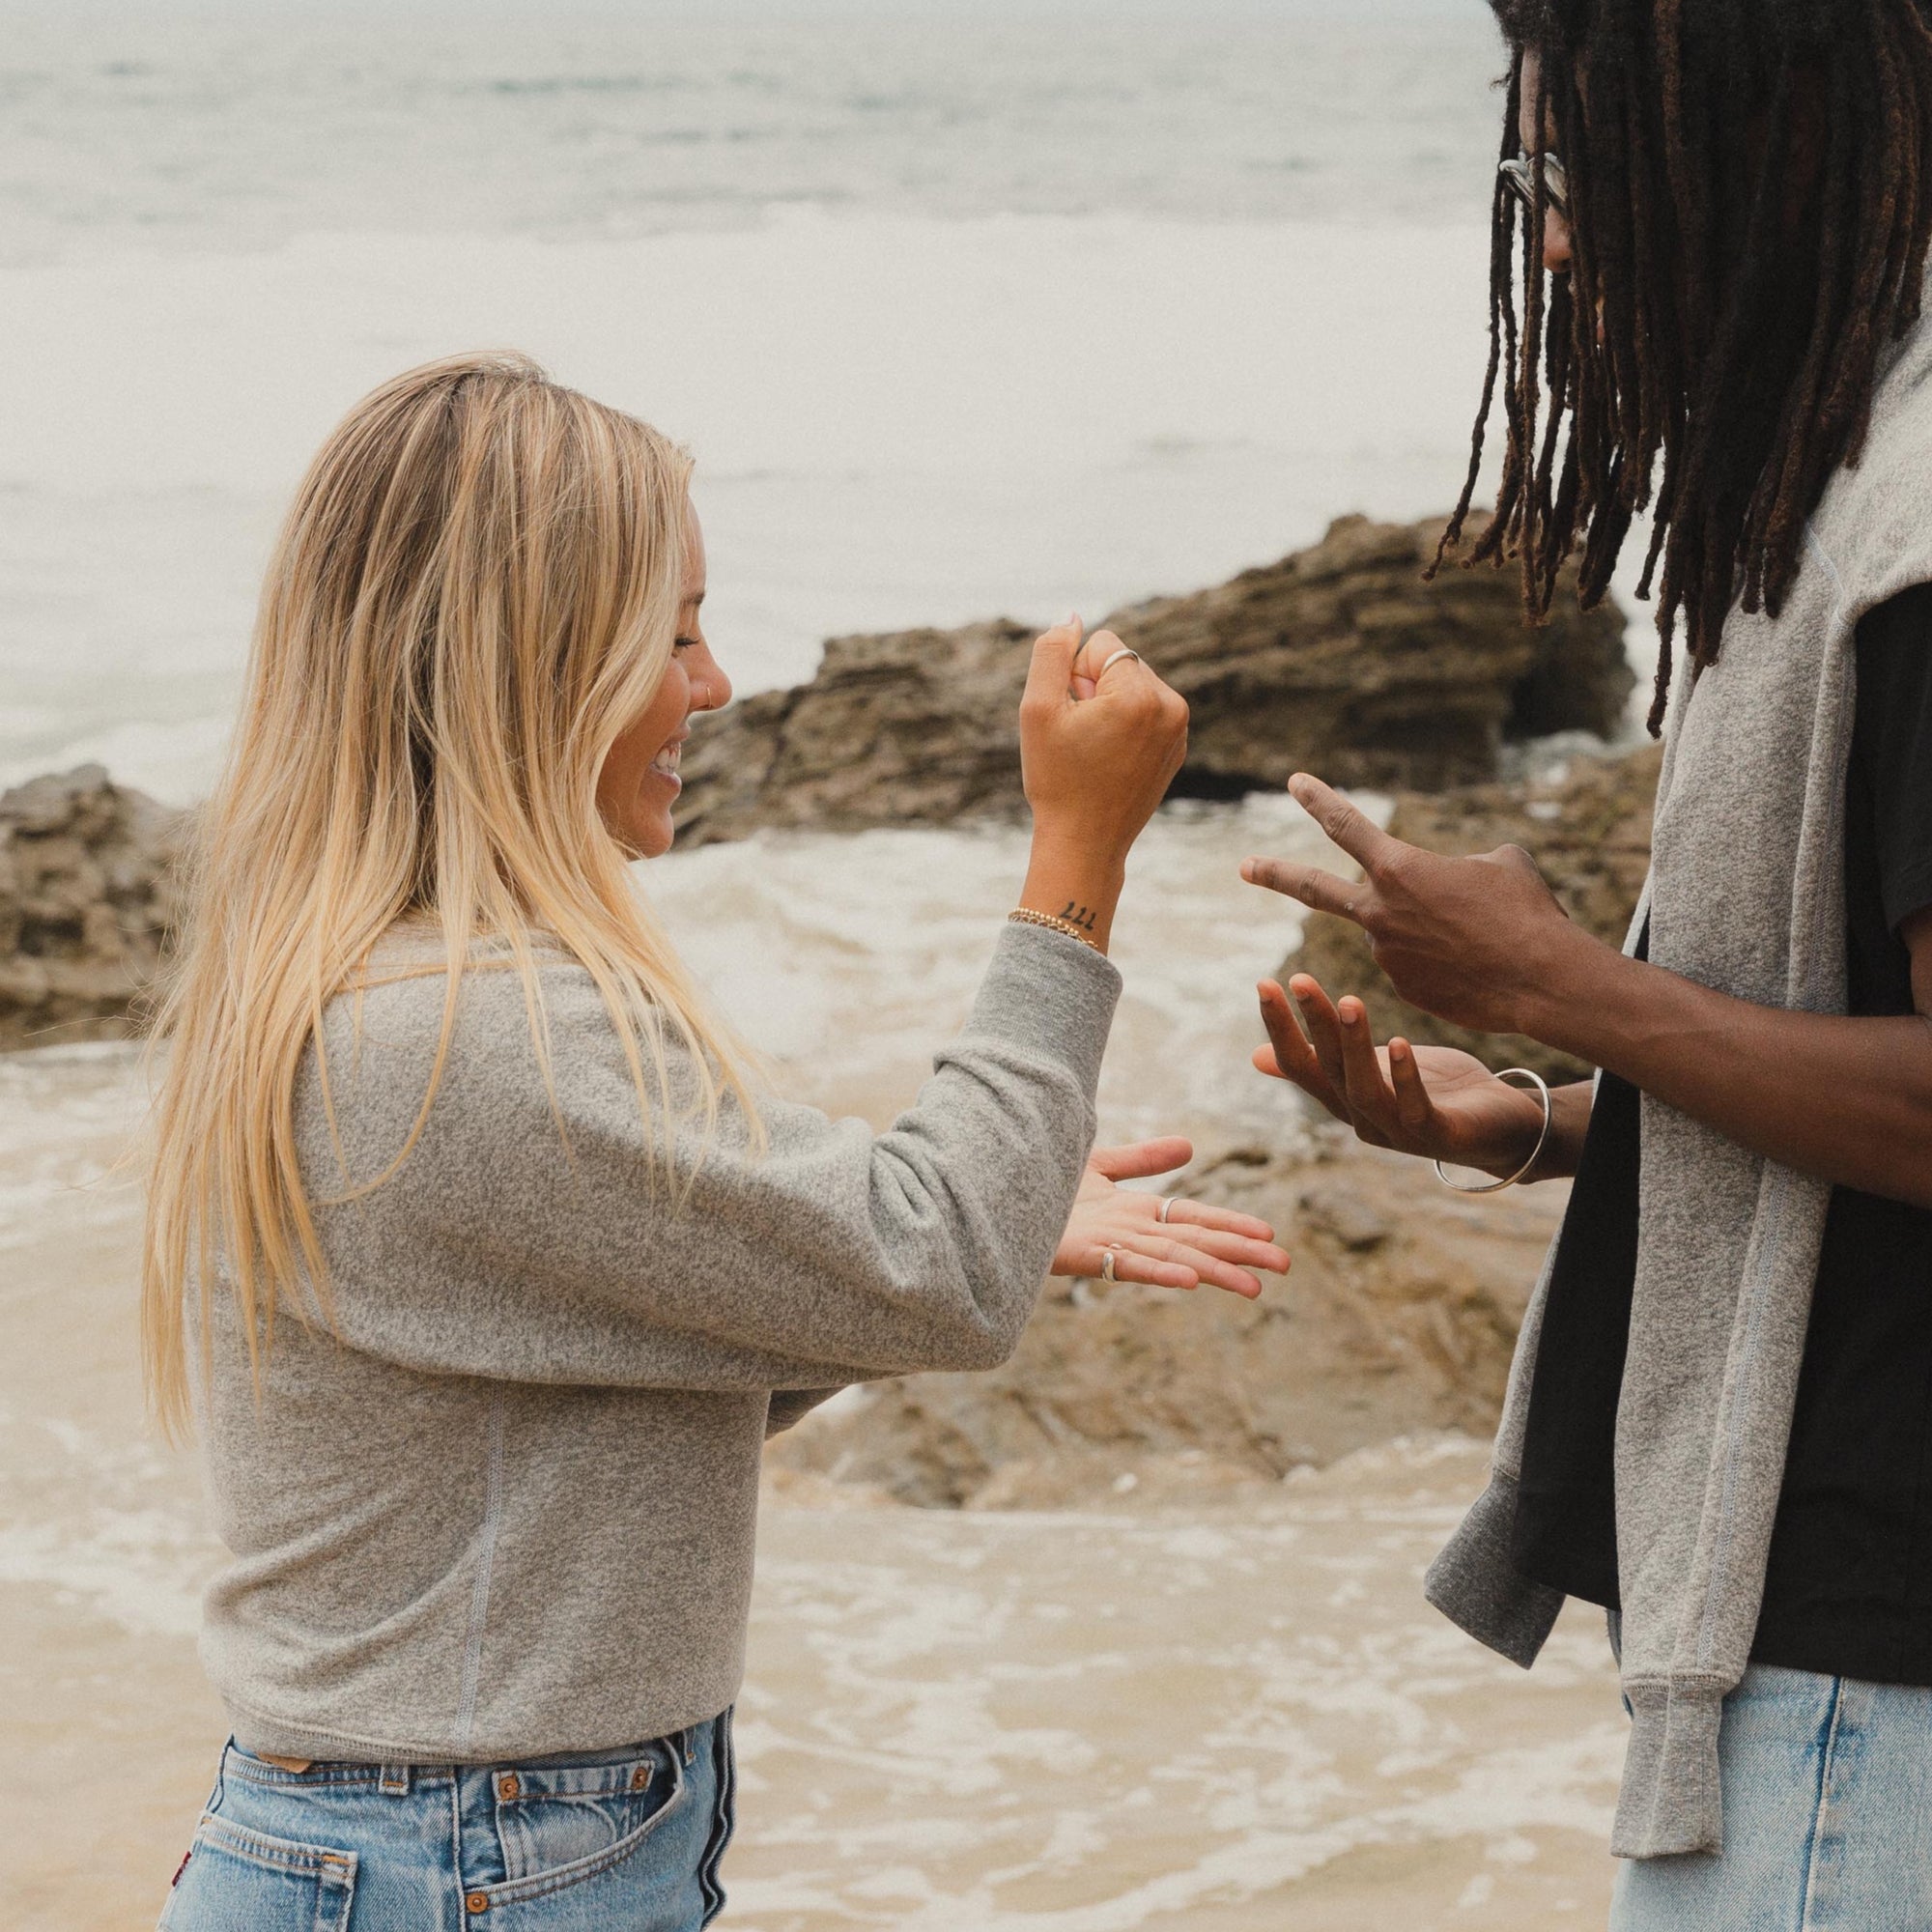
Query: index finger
pixel 1350 827
pixel 1321 890
pixel 1221 1220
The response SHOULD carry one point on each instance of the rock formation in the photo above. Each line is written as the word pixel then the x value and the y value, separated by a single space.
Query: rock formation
pixel 1399 1316
pixel 86 901
pixel 1586 823
pixel 1339 658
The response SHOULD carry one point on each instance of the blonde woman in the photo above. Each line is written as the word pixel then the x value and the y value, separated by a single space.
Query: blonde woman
pixel 474 1252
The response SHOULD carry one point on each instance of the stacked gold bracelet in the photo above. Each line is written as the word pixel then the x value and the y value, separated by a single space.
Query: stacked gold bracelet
pixel 1026 916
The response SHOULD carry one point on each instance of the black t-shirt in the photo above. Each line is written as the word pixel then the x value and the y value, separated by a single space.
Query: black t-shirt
pixel 1849 1587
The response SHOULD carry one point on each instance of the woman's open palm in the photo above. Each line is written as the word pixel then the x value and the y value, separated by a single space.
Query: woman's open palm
pixel 1428 1100
pixel 1179 1245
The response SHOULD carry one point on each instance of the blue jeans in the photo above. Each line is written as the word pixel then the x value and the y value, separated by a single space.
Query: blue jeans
pixel 614 1841
pixel 1827 1816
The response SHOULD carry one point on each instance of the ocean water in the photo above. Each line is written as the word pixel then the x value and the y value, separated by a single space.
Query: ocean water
pixel 965 306
pixel 963 309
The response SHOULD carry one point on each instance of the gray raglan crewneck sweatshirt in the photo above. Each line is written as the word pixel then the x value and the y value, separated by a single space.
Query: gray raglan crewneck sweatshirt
pixel 1747 894
pixel 507 1508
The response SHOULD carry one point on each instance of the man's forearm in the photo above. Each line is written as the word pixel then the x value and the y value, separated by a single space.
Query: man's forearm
pixel 1569 1122
pixel 1849 1101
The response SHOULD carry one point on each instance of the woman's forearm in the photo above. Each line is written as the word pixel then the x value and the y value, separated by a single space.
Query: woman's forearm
pixel 1068 879
pixel 1848 1099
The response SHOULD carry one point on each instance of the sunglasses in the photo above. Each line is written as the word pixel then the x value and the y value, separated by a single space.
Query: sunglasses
pixel 1521 175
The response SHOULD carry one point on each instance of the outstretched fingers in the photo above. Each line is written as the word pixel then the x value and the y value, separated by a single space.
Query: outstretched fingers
pixel 1414 1106
pixel 1161 1258
pixel 1289 1055
pixel 1237 1250
pixel 1371 1098
pixel 1148 1271
pixel 1223 1220
pixel 1320 891
pixel 1325 1032
pixel 1345 824
pixel 1229 1275
pixel 1216 1269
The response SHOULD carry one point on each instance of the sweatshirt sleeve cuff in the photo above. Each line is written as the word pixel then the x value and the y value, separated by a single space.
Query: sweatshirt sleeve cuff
pixel 1049 994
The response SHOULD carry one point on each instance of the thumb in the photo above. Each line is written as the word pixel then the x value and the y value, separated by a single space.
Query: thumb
pixel 1142 1159
pixel 1053 654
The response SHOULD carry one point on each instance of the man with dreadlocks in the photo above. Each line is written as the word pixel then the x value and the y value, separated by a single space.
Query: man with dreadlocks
pixel 1720 1423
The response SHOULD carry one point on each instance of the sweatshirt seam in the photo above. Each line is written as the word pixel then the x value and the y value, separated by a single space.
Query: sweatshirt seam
pixel 1816 545
pixel 1707 1683
pixel 479 1595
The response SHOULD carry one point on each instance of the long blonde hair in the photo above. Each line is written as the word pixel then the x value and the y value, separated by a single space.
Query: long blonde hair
pixel 475 592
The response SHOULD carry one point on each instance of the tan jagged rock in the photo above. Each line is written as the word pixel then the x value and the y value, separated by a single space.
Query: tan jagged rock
pixel 86 903
pixel 1339 658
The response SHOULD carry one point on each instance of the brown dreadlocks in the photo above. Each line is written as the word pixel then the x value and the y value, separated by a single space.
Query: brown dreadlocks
pixel 1750 197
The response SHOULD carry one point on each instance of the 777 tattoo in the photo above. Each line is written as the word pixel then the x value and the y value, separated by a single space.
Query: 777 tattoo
pixel 1081 917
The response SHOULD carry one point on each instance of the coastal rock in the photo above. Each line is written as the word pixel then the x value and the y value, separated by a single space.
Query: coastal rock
pixel 1338 657
pixel 86 904
pixel 1586 823
pixel 1398 1317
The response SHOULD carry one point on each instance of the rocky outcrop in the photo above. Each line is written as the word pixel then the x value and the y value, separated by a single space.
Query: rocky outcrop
pixel 1586 823
pixel 86 904
pixel 1399 1316
pixel 1338 658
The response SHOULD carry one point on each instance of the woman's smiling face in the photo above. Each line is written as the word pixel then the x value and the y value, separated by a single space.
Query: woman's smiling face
pixel 639 783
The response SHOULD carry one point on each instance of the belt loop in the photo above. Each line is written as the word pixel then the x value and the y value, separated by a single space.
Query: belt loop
pixel 687 1742
pixel 394 1781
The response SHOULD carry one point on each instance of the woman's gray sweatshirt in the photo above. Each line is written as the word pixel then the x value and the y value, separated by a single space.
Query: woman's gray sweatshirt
pixel 507 1508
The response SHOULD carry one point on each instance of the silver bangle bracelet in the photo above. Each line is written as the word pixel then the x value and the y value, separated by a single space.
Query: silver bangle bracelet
pixel 1542 1085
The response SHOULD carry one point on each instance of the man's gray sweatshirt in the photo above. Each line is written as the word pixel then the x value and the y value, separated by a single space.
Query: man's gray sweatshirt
pixel 1747 894
pixel 507 1507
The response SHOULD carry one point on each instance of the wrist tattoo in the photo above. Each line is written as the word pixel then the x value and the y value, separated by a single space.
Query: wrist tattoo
pixel 1080 916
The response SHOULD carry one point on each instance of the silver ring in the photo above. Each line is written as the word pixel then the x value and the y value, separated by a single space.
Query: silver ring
pixel 1107 1265
pixel 1167 1202
pixel 1123 652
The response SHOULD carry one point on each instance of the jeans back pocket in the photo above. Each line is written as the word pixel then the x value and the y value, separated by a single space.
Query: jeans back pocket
pixel 235 1880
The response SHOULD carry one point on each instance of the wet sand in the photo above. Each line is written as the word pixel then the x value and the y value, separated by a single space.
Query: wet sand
pixel 1239 1715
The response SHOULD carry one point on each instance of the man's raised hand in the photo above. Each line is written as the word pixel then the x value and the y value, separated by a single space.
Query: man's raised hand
pixel 1471 940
